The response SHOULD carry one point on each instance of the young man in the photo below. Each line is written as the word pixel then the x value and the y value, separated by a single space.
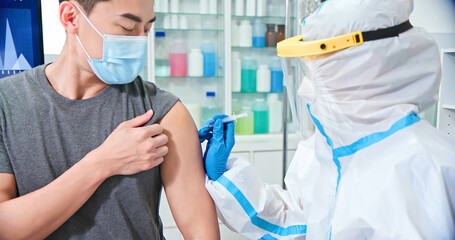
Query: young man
pixel 80 144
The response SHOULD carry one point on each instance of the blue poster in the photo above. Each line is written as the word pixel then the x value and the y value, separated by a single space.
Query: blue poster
pixel 20 37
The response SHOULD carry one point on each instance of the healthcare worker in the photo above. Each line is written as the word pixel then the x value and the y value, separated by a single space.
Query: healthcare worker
pixel 373 169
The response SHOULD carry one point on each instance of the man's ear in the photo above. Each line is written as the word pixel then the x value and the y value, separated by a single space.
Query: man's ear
pixel 68 16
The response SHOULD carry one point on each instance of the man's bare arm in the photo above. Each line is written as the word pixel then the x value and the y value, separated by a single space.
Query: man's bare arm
pixel 184 178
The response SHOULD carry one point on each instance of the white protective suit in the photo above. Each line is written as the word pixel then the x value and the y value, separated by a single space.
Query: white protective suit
pixel 373 169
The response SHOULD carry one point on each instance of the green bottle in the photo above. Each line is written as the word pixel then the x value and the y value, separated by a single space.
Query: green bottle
pixel 246 125
pixel 261 116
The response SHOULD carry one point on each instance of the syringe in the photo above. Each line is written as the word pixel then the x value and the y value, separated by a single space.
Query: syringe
pixel 231 118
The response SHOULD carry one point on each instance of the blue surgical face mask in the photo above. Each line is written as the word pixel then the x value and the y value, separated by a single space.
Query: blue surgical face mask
pixel 123 57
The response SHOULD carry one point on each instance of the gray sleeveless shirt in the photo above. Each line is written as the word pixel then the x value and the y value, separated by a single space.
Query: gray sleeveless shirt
pixel 42 134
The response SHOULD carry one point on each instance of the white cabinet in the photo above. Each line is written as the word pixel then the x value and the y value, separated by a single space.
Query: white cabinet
pixel 446 104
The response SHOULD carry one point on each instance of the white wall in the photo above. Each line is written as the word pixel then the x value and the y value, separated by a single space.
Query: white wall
pixel 436 16
pixel 53 32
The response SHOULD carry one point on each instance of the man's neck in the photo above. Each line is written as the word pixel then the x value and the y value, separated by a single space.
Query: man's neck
pixel 73 78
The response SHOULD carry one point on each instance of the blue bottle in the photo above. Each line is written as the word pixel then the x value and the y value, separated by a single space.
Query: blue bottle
pixel 208 51
pixel 259 34
pixel 276 75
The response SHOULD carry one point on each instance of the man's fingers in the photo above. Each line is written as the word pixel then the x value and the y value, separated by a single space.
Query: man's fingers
pixel 138 121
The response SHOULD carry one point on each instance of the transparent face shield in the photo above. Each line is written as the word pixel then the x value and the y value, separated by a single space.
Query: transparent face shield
pixel 297 80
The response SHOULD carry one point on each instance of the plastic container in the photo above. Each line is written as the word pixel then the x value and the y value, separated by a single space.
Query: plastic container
pixel 235 34
pixel 239 8
pixel 183 22
pixel 261 8
pixel 236 110
pixel 175 21
pixel 208 51
pixel 261 116
pixel 162 6
pixel 210 107
pixel 213 6
pixel 236 71
pixel 162 65
pixel 178 59
pixel 259 34
pixel 251 8
pixel 195 63
pixel 263 79
pixel 245 34
pixel 249 71
pixel 175 6
pixel 203 6
pixel 276 75
pixel 281 34
pixel 275 113
pixel 246 125
pixel 270 36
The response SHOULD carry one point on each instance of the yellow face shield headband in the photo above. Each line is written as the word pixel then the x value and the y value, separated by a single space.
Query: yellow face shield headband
pixel 296 47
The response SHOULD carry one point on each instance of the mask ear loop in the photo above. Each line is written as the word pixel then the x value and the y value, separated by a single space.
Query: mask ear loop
pixel 86 18
pixel 96 30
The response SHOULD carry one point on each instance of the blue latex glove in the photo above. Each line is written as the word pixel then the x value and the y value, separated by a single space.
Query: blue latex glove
pixel 219 148
pixel 205 133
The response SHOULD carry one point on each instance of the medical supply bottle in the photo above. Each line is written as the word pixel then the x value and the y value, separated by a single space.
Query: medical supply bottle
pixel 261 116
pixel 270 36
pixel 239 7
pixel 235 34
pixel 208 51
pixel 281 34
pixel 178 59
pixel 210 107
pixel 236 110
pixel 236 71
pixel 249 71
pixel 258 34
pixel 162 65
pixel 276 75
pixel 195 63
pixel 263 79
pixel 261 8
pixel 250 8
pixel 246 125
pixel 245 34
pixel 275 113
pixel 203 6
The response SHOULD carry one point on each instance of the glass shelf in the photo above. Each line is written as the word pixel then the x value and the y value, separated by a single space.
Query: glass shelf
pixel 261 17
pixel 189 30
pixel 190 14
pixel 255 93
pixel 188 77
pixel 261 48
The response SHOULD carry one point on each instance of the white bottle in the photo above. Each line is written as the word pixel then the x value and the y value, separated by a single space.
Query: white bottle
pixel 195 63
pixel 263 79
pixel 236 71
pixel 183 22
pixel 167 22
pixel 203 6
pixel 235 34
pixel 174 21
pixel 157 6
pixel 250 7
pixel 246 38
pixel 175 6
pixel 239 8
pixel 164 6
pixel 275 113
pixel 213 6
pixel 261 8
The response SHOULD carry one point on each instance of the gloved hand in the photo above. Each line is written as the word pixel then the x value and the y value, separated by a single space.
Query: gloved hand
pixel 219 148
pixel 205 133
